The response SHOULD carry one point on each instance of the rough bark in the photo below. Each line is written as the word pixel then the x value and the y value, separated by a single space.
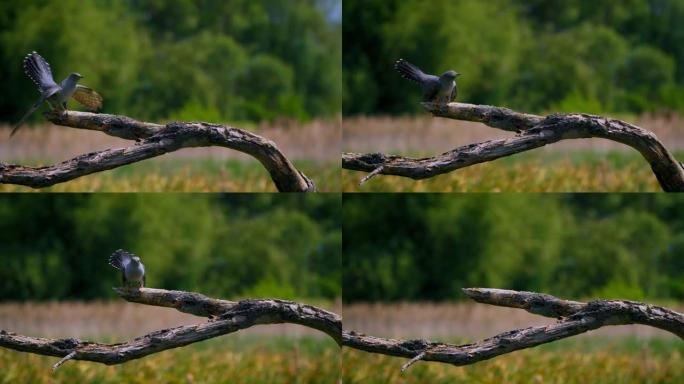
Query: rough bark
pixel 225 317
pixel 154 140
pixel 574 318
pixel 532 132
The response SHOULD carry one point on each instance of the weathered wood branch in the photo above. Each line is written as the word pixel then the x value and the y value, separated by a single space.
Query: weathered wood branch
pixel 225 317
pixel 154 140
pixel 574 318
pixel 532 132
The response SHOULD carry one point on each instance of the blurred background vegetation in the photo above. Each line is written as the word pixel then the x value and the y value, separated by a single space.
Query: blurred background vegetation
pixel 412 247
pixel 56 246
pixel 210 60
pixel 532 55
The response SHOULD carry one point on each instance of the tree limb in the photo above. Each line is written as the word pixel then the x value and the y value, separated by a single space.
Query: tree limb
pixel 578 318
pixel 533 132
pixel 225 317
pixel 154 140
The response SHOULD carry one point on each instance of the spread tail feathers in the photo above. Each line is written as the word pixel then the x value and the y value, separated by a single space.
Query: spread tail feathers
pixel 119 259
pixel 409 71
pixel 38 70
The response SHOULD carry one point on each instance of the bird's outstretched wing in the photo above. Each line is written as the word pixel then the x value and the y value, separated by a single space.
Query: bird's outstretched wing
pixel 89 98
pixel 409 71
pixel 39 71
pixel 120 258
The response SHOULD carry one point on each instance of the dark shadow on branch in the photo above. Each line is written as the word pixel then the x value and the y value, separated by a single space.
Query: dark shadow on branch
pixel 154 140
pixel 533 132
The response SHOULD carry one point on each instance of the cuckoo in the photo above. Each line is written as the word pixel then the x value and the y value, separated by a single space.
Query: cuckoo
pixel 436 89
pixel 57 95
pixel 132 269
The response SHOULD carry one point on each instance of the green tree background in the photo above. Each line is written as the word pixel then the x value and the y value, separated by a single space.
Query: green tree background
pixel 56 246
pixel 245 60
pixel 533 55
pixel 429 246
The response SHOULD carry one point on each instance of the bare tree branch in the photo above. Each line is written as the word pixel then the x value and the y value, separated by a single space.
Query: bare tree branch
pixel 577 318
pixel 533 132
pixel 225 317
pixel 154 140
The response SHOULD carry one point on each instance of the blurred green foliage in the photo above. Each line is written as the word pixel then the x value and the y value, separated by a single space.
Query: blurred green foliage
pixel 533 55
pixel 56 246
pixel 429 246
pixel 180 59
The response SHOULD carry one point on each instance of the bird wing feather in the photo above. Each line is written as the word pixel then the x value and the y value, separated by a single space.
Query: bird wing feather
pixel 88 97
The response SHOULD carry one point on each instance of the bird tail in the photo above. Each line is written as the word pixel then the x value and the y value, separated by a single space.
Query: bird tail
pixel 38 70
pixel 26 116
pixel 117 258
pixel 409 71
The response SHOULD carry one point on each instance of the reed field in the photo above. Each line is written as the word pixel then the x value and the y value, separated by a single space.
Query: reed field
pixel 581 165
pixel 620 354
pixel 274 353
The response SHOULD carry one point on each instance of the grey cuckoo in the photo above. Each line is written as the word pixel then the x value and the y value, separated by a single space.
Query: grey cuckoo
pixel 132 269
pixel 57 95
pixel 440 89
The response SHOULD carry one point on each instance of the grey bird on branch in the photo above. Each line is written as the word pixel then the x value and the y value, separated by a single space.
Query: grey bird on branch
pixel 132 269
pixel 436 89
pixel 57 95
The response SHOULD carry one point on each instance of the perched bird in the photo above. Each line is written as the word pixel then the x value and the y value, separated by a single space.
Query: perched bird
pixel 57 95
pixel 440 89
pixel 132 269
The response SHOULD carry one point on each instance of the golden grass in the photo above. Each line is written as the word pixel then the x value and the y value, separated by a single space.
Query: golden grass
pixel 286 361
pixel 539 365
